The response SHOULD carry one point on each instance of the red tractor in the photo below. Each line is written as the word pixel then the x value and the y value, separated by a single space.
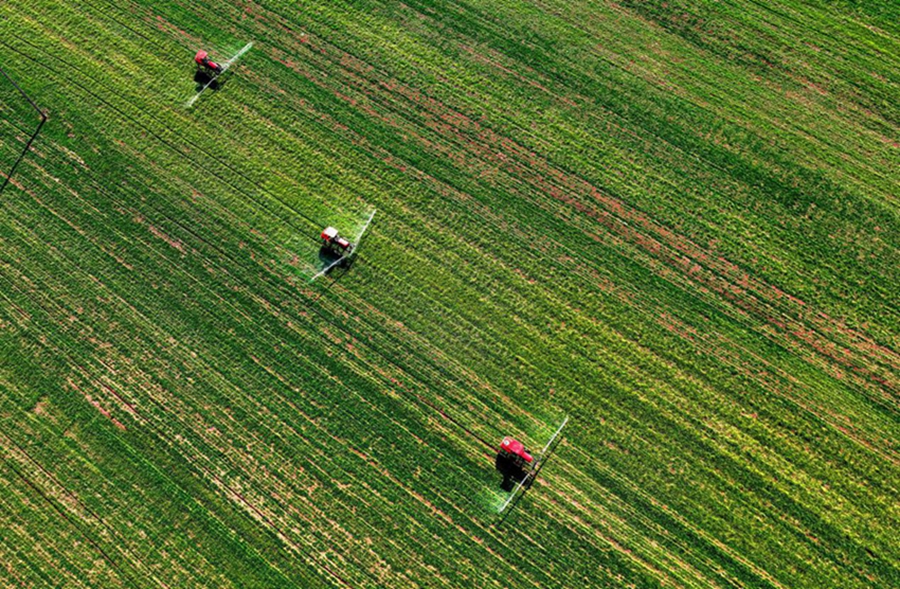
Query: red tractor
pixel 515 451
pixel 513 461
pixel 334 242
pixel 203 61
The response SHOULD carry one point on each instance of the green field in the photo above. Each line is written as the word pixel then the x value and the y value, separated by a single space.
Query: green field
pixel 676 223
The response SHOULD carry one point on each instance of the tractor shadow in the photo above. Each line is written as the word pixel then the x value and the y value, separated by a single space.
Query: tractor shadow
pixel 202 78
pixel 512 473
pixel 328 257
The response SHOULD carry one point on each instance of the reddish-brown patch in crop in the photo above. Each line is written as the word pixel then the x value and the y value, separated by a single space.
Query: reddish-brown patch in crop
pixel 125 405
pixel 770 378
pixel 97 406
pixel 165 26
pixel 40 408
pixel 470 145
pixel 175 243
pixel 494 62
pixel 724 276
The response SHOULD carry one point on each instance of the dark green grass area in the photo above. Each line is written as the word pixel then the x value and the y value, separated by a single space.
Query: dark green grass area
pixel 675 223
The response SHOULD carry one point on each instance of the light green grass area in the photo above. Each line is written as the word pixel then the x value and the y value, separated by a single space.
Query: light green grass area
pixel 674 222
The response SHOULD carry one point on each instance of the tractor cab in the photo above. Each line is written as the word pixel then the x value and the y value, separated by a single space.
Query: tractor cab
pixel 515 450
pixel 513 461
pixel 202 59
pixel 331 239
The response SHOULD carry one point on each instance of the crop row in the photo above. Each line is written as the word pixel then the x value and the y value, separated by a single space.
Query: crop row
pixel 345 453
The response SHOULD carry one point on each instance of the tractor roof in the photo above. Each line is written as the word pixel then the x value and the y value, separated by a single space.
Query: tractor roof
pixel 329 233
pixel 514 446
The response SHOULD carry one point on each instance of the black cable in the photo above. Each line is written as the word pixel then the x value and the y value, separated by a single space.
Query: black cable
pixel 171 145
pixel 33 135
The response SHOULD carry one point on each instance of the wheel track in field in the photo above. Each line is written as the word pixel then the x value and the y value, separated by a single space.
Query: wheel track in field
pixel 72 503
pixel 735 278
pixel 204 471
pixel 492 139
pixel 132 410
pixel 667 245
pixel 107 103
pixel 135 413
pixel 611 519
pixel 720 290
pixel 98 186
pixel 21 500
pixel 557 488
pixel 731 285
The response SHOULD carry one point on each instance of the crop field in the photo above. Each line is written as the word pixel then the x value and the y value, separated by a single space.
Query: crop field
pixel 676 223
